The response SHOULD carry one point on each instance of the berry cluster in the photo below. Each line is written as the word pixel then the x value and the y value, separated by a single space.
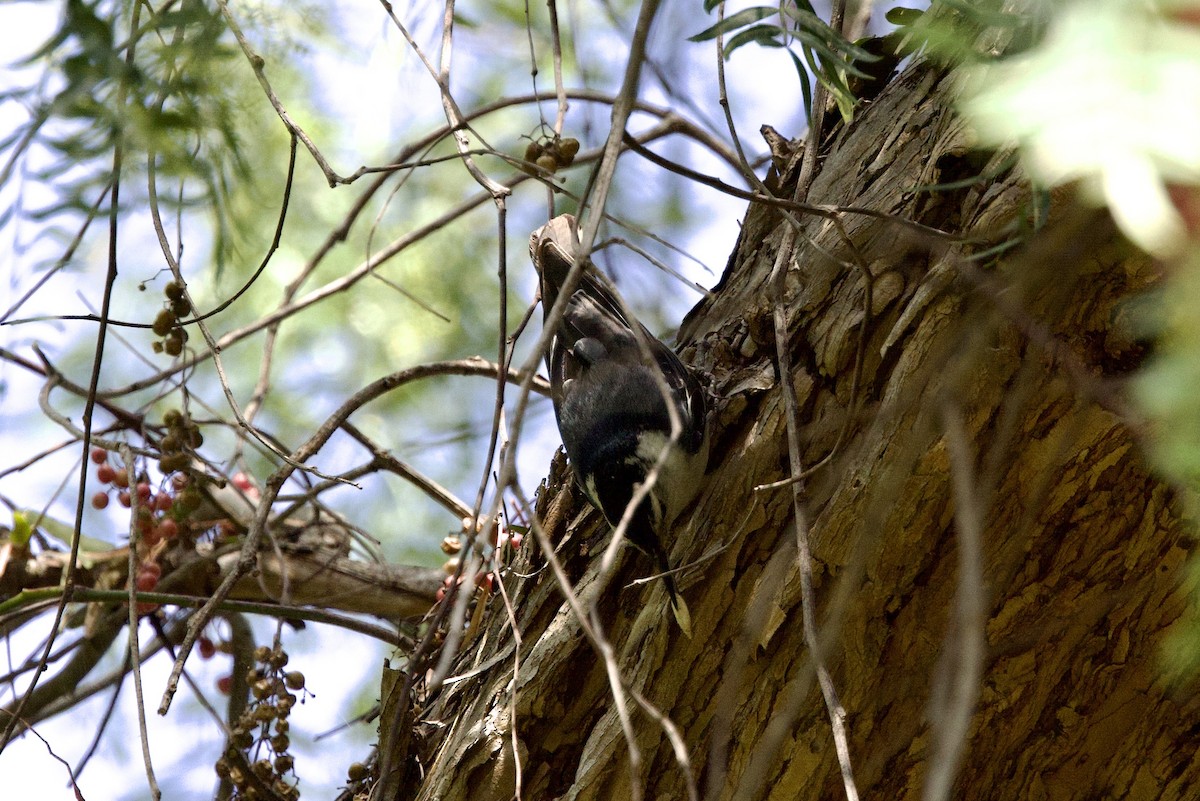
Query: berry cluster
pixel 552 154
pixel 259 739
pixel 500 538
pixel 166 325
pixel 183 437
pixel 159 514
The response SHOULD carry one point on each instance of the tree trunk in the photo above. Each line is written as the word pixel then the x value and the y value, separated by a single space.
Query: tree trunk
pixel 1081 546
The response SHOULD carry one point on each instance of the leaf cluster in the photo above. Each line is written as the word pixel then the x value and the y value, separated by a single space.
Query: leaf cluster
pixel 155 97
pixel 810 41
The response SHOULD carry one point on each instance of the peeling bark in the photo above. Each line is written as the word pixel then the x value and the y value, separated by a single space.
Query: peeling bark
pixel 1082 545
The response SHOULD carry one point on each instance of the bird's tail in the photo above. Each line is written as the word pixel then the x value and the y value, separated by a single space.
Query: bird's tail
pixel 679 607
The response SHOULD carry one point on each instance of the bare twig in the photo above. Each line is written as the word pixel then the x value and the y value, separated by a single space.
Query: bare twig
pixel 959 673
pixel 258 64
pixel 136 555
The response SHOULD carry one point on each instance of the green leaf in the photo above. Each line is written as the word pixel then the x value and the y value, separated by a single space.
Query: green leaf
pixel 903 16
pixel 984 17
pixel 21 531
pixel 739 20
pixel 765 35
pixel 805 84
pixel 57 529
pixel 829 38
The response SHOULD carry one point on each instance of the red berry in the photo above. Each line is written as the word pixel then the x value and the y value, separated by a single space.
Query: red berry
pixel 207 649
pixel 143 491
pixel 154 568
pixel 242 481
pixel 167 529
pixel 100 500
pixel 163 502
pixel 516 540
pixel 225 684
pixel 105 473
pixel 441 593
pixel 122 478
pixel 123 498
pixel 99 455
pixel 145 582
pixel 179 481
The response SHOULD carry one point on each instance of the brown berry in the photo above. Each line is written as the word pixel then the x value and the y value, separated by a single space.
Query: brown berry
pixel 173 462
pixel 548 163
pixel 100 500
pixel 567 150
pixel 164 321
pixel 105 473
pixel 173 290
pixel 294 680
pixel 189 501
pixel 99 455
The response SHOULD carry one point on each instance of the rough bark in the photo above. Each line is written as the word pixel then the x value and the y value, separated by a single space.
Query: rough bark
pixel 1081 543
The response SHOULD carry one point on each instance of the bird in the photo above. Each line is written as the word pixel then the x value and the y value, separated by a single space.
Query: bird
pixel 615 388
